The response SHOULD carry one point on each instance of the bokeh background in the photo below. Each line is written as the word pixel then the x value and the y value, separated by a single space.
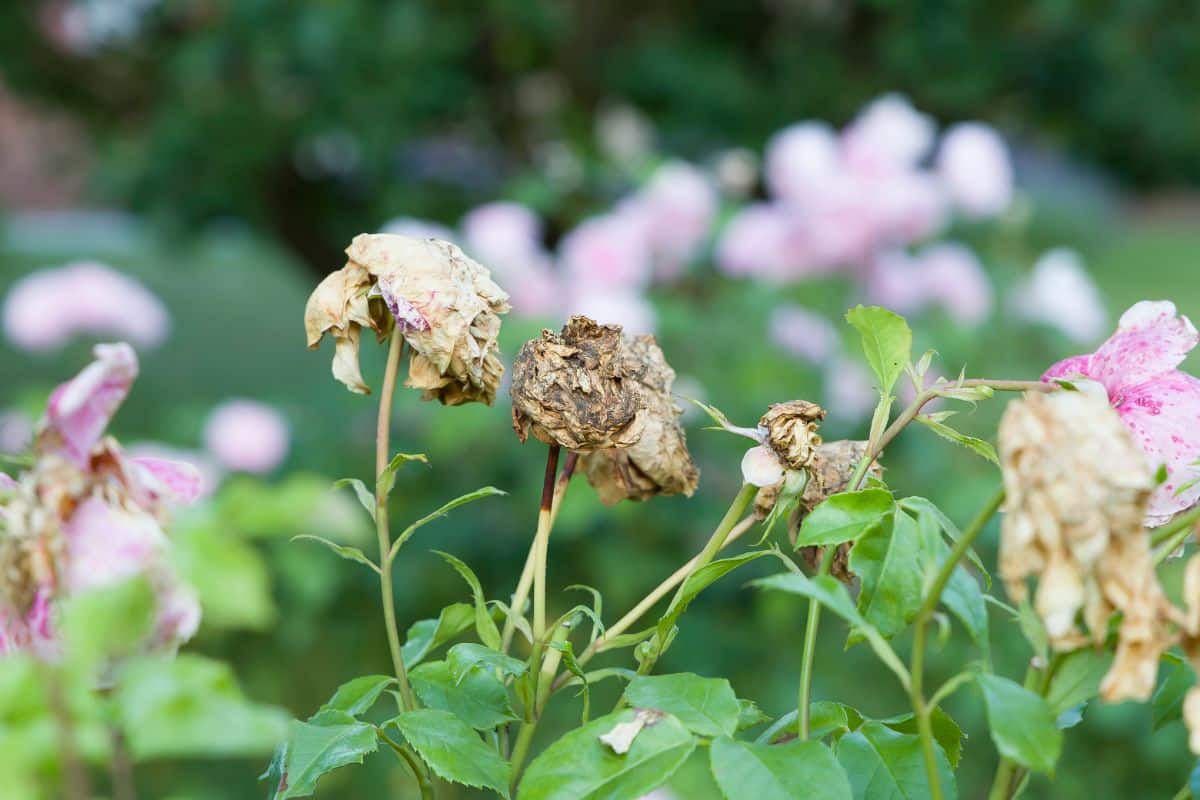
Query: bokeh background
pixel 181 174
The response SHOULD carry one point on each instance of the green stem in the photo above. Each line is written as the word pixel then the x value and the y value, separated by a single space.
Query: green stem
pixel 916 695
pixel 521 750
pixel 382 434
pixel 1184 522
pixel 414 766
pixel 809 657
pixel 541 545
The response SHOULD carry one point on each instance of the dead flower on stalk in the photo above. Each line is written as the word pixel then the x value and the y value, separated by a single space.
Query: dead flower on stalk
pixel 446 306
pixel 1077 488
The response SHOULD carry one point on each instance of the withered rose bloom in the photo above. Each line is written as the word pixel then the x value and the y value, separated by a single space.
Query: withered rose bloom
pixel 446 306
pixel 578 388
pixel 1077 487
pixel 791 431
pixel 659 461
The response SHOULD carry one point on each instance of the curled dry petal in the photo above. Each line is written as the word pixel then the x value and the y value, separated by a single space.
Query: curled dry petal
pixel 80 409
pixel 1077 488
pixel 340 306
pixel 659 461
pixel 791 431
pixel 448 309
pixel 578 388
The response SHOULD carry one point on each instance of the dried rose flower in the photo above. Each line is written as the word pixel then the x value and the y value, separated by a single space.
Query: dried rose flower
pixel 659 461
pixel 791 431
pixel 446 306
pixel 579 388
pixel 1077 489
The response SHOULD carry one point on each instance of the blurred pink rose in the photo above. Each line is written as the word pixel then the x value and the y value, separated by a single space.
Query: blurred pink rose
pixel 888 134
pixel 895 281
pixel 629 309
pixel 34 632
pixel 850 394
pixel 800 160
pixel 46 309
pixel 1060 293
pixel 247 436
pixel 80 409
pixel 803 333
pixel 907 206
pixel 680 203
pixel 502 235
pixel 607 253
pixel 766 241
pixel 973 165
pixel 954 279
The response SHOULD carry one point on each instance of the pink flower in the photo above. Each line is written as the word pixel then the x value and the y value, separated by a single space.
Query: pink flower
pixel 247 436
pixel 199 473
pixel 629 309
pixel 974 167
pixel 34 632
pixel 895 281
pixel 46 309
pixel 607 252
pixel 849 391
pixel 680 205
pixel 1159 404
pixel 906 206
pixel 1061 294
pixel 757 243
pixel 16 431
pixel 954 278
pixel 800 160
pixel 888 134
pixel 80 409
pixel 502 236
pixel 806 335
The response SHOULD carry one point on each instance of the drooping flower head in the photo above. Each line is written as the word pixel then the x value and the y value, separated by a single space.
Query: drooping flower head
pixel 1158 403
pixel 446 306
pixel 88 515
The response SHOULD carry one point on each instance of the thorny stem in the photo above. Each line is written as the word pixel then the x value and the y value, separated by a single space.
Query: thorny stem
pixel 526 582
pixel 921 708
pixel 810 648
pixel 382 434
pixel 541 543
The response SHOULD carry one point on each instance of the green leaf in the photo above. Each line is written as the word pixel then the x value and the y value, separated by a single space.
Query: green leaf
pixel 468 656
pixel 1032 629
pixel 884 764
pixel 485 626
pixel 358 695
pixel 706 706
pixel 844 517
pixel 345 551
pixel 109 622
pixel 1022 724
pixel 479 699
pixel 977 446
pixel 312 750
pixel 749 714
pixel 826 717
pixel 230 575
pixel 793 771
pixel 1167 704
pixel 1077 679
pixel 365 498
pixel 962 595
pixel 406 534
pixel 945 730
pixel 427 635
pixel 576 669
pixel 453 750
pixel 580 767
pixel 886 342
pixel 387 479
pixel 192 707
pixel 832 595
pixel 886 560
pixel 919 506
pixel 697 582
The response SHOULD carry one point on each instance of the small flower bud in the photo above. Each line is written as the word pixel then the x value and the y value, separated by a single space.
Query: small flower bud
pixel 791 431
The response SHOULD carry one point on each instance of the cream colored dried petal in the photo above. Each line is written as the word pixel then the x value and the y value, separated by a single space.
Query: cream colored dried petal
pixel 578 389
pixel 1133 673
pixel 1191 718
pixel 791 431
pixel 447 308
pixel 659 461
pixel 340 307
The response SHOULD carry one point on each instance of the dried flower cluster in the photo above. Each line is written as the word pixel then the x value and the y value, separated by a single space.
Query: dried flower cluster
pixel 446 306
pixel 87 516
pixel 592 391
pixel 1077 489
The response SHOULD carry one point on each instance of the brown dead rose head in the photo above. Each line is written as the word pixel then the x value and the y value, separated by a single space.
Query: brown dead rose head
pixel 1077 487
pixel 594 392
pixel 444 304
